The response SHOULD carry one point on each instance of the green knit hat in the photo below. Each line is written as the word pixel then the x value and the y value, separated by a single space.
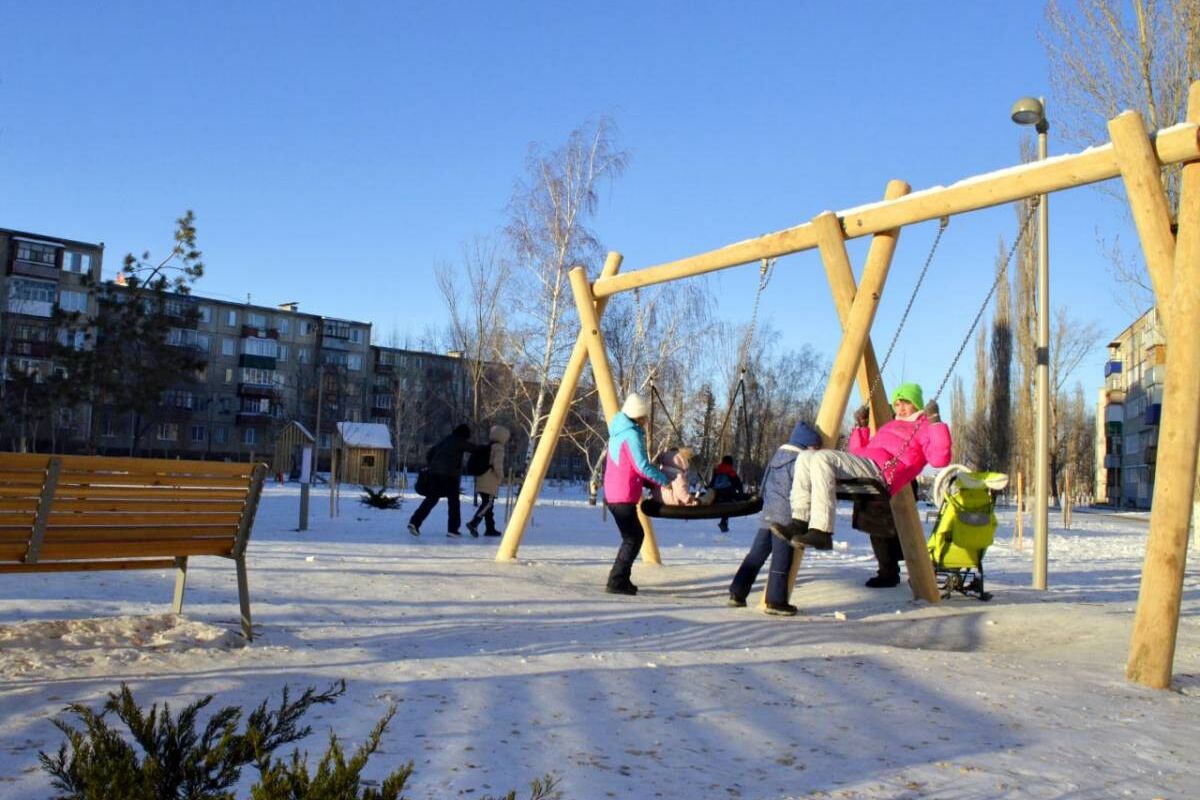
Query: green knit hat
pixel 910 392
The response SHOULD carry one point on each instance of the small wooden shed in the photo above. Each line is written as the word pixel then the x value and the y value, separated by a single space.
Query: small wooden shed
pixel 361 450
pixel 289 449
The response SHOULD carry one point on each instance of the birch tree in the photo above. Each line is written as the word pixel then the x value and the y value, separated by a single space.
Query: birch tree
pixel 549 214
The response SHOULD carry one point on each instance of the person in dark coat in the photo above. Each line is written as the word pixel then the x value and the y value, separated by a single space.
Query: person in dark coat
pixel 727 487
pixel 776 491
pixel 445 475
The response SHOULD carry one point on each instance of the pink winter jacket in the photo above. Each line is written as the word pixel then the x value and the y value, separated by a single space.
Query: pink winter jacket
pixel 930 445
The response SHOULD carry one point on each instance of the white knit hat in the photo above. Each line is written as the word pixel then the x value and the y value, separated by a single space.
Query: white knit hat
pixel 635 407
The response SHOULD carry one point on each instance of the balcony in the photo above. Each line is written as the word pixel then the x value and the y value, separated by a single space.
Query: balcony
pixel 254 418
pixel 1114 414
pixel 1112 368
pixel 265 390
pixel 33 269
pixel 383 369
pixel 256 362
pixel 251 332
pixel 1114 396
pixel 28 349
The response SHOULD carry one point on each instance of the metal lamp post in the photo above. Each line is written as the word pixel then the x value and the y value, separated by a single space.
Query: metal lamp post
pixel 1032 111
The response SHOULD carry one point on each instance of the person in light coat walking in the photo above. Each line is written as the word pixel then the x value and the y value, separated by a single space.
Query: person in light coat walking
pixel 487 485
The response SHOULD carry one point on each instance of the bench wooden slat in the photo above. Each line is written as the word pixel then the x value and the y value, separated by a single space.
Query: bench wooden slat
pixel 73 478
pixel 136 505
pixel 13 551
pixel 29 477
pixel 59 518
pixel 137 493
pixel 105 533
pixel 66 551
pixel 18 505
pixel 21 491
pixel 163 466
pixel 85 566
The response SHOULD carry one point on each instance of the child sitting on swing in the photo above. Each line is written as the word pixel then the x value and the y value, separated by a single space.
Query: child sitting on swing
pixel 895 455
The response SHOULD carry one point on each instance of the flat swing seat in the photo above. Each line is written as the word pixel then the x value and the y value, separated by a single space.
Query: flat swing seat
pixel 736 508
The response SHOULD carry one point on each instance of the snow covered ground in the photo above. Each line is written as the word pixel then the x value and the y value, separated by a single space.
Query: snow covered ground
pixel 504 672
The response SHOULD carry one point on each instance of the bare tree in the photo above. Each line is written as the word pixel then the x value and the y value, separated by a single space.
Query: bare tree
pixel 474 298
pixel 1070 343
pixel 549 214
pixel 1107 56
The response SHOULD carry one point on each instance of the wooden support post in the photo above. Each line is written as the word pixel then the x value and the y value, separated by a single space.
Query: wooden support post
pixel 522 510
pixel 180 583
pixel 1019 532
pixel 1156 621
pixel 589 323
pixel 1148 202
pixel 243 583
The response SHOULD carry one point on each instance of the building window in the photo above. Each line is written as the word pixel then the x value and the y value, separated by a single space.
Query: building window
pixel 205 314
pixel 37 253
pixel 281 352
pixel 72 301
pixel 368 461
pixel 354 362
pixel 77 262
pixel 176 398
pixel 283 324
pixel 168 431
pixel 220 434
pixel 303 355
pixel 356 336
pixel 231 319
pixel 306 327
pixel 106 427
pixel 256 320
pixel 262 377
pixel 228 375
pixel 35 298
pixel 337 330
pixel 197 433
pixel 228 348
pixel 259 347
pixel 249 436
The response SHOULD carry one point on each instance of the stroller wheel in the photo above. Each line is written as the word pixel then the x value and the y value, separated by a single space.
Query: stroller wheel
pixel 985 596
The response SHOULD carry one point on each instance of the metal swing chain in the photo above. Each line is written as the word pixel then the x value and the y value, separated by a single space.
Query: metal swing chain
pixel 943 223
pixel 1033 207
pixel 765 271
pixel 1000 271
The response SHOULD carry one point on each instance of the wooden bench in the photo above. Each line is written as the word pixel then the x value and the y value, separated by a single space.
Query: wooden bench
pixel 72 513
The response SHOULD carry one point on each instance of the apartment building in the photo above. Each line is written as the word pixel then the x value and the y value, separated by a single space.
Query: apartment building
pixel 265 366
pixel 40 272
pixel 1128 412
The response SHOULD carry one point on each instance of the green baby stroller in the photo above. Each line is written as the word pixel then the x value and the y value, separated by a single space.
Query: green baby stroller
pixel 965 527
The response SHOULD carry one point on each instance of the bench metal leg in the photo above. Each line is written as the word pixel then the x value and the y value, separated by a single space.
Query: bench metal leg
pixel 180 582
pixel 244 597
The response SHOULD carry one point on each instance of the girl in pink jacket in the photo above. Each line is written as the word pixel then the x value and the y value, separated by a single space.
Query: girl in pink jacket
pixel 894 456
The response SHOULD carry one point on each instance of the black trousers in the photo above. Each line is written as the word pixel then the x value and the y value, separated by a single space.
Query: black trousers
pixel 888 553
pixel 486 511
pixel 446 486
pixel 632 535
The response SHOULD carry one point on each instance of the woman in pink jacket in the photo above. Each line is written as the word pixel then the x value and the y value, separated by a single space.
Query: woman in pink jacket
pixel 894 456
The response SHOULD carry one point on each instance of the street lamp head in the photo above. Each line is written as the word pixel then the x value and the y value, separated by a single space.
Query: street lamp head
pixel 1028 111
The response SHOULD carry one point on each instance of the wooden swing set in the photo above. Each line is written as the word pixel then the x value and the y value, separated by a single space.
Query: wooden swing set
pixel 1173 261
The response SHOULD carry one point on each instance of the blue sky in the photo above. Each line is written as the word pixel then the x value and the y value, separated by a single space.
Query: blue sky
pixel 334 154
